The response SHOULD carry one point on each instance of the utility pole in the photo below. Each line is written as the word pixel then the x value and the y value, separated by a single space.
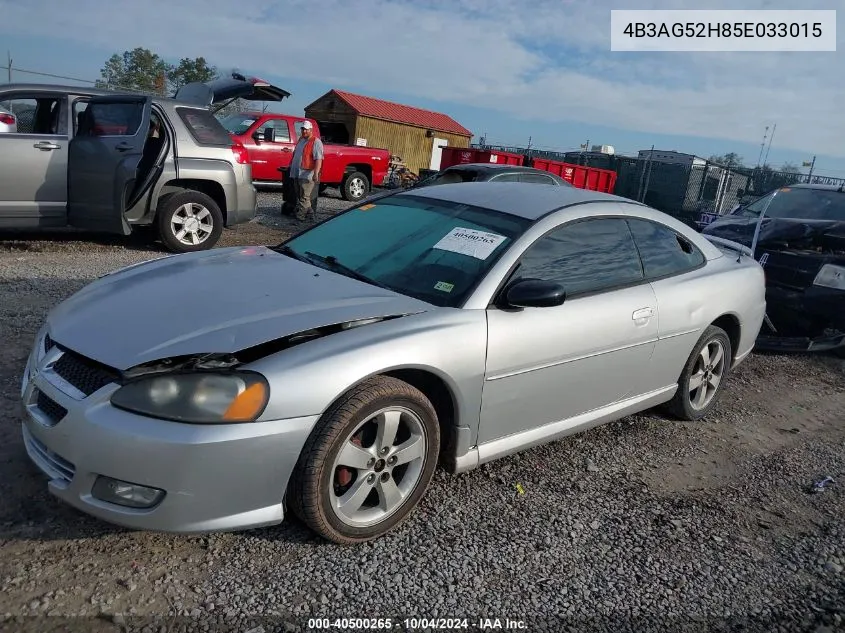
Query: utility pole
pixel 762 146
pixel 771 138
pixel 9 64
pixel 812 166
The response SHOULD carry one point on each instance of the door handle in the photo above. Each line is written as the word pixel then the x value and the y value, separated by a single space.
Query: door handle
pixel 287 150
pixel 642 313
pixel 123 147
pixel 47 146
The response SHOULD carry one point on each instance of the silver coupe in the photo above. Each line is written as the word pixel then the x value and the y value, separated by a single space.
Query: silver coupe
pixel 329 375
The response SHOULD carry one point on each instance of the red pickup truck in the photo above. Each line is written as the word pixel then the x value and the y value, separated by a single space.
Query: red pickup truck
pixel 269 139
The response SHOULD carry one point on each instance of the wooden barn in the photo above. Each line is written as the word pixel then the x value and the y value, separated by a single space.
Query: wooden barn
pixel 414 134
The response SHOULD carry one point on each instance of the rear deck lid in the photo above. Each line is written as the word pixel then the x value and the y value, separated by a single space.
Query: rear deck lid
pixel 208 93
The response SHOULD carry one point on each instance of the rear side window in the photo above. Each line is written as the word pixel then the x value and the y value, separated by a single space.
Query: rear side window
pixel 112 119
pixel 204 127
pixel 537 179
pixel 662 251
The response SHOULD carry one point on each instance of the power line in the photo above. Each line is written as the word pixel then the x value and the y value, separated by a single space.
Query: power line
pixel 52 76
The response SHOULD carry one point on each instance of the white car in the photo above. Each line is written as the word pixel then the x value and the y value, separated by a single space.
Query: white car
pixel 8 122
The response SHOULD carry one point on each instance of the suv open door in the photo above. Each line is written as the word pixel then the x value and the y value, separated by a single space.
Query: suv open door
pixel 103 161
pixel 218 93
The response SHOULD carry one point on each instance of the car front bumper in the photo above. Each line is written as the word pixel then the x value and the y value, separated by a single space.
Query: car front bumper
pixel 215 477
pixel 810 320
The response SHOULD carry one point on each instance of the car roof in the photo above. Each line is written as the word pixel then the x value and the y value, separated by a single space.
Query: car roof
pixel 84 90
pixel 521 199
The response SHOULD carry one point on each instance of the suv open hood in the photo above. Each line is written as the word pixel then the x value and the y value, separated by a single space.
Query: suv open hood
pixel 208 93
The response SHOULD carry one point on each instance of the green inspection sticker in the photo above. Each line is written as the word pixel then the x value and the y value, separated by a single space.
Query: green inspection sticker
pixel 443 286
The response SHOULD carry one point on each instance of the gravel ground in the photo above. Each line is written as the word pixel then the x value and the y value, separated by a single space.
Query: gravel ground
pixel 643 524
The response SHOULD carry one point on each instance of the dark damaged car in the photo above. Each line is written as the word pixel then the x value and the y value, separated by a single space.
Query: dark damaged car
pixel 801 246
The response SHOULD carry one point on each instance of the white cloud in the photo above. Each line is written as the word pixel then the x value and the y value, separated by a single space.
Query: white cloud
pixel 547 60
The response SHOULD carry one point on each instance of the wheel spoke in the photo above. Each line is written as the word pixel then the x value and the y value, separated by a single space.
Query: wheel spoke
pixel 388 425
pixel 714 381
pixel 195 239
pixel 695 380
pixel 178 219
pixel 181 235
pixel 188 209
pixel 409 450
pixel 701 396
pixel 204 213
pixel 717 356
pixel 389 495
pixel 353 498
pixel 353 456
pixel 705 355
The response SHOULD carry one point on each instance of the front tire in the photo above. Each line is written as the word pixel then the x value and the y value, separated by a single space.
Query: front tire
pixel 189 221
pixel 367 463
pixel 355 186
pixel 703 377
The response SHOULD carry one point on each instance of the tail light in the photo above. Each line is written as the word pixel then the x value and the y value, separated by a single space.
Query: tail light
pixel 8 119
pixel 241 155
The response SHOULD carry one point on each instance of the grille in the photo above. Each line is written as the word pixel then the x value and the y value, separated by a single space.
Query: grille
pixel 49 407
pixel 86 375
pixel 54 465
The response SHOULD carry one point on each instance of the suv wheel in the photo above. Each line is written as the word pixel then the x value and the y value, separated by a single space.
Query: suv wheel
pixel 189 221
pixel 355 186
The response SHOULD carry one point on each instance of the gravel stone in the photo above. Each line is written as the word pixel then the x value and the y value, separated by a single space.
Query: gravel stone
pixel 686 526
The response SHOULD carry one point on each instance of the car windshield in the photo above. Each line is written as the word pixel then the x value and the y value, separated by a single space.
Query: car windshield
pixel 433 250
pixel 237 124
pixel 799 204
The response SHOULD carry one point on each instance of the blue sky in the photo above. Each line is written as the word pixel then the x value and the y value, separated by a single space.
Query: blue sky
pixel 498 67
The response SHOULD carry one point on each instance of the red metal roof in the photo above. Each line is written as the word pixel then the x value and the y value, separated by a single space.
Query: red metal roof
pixel 398 113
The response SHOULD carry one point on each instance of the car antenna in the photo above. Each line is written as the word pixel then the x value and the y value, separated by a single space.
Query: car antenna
pixel 757 228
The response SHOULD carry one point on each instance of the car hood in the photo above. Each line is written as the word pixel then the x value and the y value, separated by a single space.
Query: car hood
pixel 236 87
pixel 219 301
pixel 823 236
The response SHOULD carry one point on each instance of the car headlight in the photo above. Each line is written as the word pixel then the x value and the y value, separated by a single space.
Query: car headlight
pixel 831 276
pixel 200 398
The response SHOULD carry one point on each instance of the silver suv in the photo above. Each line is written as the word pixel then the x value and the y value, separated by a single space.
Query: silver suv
pixel 110 162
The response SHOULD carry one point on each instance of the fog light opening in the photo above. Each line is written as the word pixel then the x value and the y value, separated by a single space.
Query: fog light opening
pixel 124 493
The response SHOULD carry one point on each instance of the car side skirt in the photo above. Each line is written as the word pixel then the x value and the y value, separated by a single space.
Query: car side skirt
pixel 510 444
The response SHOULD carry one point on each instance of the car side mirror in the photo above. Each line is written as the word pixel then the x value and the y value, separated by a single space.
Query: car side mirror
pixel 269 135
pixel 535 293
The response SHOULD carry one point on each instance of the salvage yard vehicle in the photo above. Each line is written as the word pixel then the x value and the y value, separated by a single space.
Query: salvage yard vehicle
pixel 801 246
pixel 328 375
pixel 270 138
pixel 8 122
pixel 481 172
pixel 111 162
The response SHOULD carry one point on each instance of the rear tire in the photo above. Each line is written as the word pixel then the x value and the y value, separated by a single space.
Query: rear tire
pixel 348 457
pixel 703 377
pixel 189 221
pixel 355 186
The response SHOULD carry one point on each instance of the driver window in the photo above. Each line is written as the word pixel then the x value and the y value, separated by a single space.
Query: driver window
pixel 281 127
pixel 584 257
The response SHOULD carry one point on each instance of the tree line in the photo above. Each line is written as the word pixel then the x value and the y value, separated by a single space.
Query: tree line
pixel 142 70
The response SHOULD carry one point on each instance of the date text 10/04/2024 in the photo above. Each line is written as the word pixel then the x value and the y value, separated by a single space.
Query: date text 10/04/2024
pixel 416 624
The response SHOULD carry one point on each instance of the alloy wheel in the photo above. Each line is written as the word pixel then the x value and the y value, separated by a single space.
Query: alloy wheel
pixel 378 467
pixel 192 224
pixel 707 374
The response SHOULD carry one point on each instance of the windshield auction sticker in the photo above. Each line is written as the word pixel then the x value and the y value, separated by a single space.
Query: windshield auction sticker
pixel 478 244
